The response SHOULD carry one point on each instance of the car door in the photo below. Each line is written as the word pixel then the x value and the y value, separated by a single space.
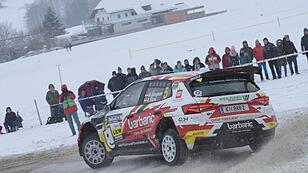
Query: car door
pixel 140 126
pixel 122 108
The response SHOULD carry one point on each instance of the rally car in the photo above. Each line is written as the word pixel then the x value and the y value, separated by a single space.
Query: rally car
pixel 177 114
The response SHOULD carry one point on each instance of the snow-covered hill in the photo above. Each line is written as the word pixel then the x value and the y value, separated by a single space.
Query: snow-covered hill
pixel 24 80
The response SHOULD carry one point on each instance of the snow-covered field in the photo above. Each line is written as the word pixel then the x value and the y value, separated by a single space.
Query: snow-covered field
pixel 24 80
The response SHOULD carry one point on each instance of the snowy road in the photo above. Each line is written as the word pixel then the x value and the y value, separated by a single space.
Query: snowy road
pixel 290 146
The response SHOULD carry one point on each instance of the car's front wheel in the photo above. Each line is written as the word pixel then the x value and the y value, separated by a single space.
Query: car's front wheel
pixel 173 148
pixel 94 153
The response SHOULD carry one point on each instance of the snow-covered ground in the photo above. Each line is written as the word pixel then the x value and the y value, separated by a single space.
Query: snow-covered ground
pixel 24 80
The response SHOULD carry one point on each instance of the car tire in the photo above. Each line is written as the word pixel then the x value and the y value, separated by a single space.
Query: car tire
pixel 94 153
pixel 256 146
pixel 173 148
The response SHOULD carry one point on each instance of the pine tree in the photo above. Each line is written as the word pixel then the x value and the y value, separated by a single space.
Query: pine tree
pixel 52 25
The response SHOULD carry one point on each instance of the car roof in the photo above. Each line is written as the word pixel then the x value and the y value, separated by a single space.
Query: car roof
pixel 183 76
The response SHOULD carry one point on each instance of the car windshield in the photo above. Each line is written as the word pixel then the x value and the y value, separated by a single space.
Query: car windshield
pixel 223 87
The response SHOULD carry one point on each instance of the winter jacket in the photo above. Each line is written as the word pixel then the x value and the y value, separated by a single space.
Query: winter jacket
pixel 69 105
pixel 188 67
pixel 123 79
pixel 304 43
pixel 11 118
pixel 213 61
pixel 280 52
pixel 246 55
pixel 158 70
pixel 131 78
pixel 258 52
pixel 144 74
pixel 116 84
pixel 181 69
pixel 269 51
pixel 289 47
pixel 52 97
pixel 226 61
pixel 167 70
pixel 100 99
pixel 235 59
pixel 197 67
pixel 86 105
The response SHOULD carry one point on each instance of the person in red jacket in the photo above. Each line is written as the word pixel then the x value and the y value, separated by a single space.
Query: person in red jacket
pixel 212 59
pixel 70 108
pixel 259 56
pixel 226 58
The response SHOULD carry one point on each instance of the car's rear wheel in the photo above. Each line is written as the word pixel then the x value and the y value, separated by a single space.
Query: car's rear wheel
pixel 94 153
pixel 173 148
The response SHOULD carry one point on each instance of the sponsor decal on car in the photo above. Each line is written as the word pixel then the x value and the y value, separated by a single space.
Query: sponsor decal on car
pixel 198 93
pixel 235 98
pixel 117 118
pixel 141 122
pixel 240 125
pixel 179 94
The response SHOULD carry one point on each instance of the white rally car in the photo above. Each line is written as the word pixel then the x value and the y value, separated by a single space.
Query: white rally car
pixel 175 114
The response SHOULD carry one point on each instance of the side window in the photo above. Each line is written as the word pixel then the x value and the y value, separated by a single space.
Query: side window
pixel 158 91
pixel 130 97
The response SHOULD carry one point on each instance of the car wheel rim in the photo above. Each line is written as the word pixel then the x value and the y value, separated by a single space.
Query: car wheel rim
pixel 94 152
pixel 168 148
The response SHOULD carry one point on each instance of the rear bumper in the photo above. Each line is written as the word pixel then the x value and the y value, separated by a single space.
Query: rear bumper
pixel 231 140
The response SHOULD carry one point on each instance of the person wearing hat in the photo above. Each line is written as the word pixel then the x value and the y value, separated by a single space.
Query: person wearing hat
pixel 144 73
pixel 212 59
pixel 282 61
pixel 179 67
pixel 235 59
pixel 259 56
pixel 246 54
pixel 270 52
pixel 289 48
pixel 10 121
pixel 67 98
pixel 122 77
pixel 226 58
pixel 52 99
pixel 304 42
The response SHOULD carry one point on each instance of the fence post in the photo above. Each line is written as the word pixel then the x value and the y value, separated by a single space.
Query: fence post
pixel 130 53
pixel 213 36
pixel 278 21
pixel 60 75
pixel 38 113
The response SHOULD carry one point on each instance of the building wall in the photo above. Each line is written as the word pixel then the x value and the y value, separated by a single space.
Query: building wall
pixel 131 25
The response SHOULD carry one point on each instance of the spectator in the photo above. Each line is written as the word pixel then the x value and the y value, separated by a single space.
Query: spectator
pixel 212 59
pixel 246 54
pixel 179 67
pixel 86 104
pixel 188 67
pixel 19 120
pixel 226 58
pixel 152 69
pixel 131 75
pixel 304 42
pixel 197 64
pixel 144 73
pixel 289 48
pixel 1 130
pixel 270 52
pixel 122 77
pixel 115 84
pixel 282 61
pixel 234 57
pixel 10 121
pixel 166 68
pixel 158 69
pixel 52 99
pixel 70 109
pixel 100 100
pixel 259 56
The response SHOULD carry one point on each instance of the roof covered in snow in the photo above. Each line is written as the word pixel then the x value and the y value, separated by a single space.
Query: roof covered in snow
pixel 118 5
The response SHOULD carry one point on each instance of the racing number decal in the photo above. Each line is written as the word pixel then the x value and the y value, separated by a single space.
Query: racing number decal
pixel 109 138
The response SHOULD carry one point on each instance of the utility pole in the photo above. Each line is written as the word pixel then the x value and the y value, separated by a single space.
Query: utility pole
pixel 60 75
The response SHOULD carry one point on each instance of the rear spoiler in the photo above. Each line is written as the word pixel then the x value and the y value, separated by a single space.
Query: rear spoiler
pixel 230 73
